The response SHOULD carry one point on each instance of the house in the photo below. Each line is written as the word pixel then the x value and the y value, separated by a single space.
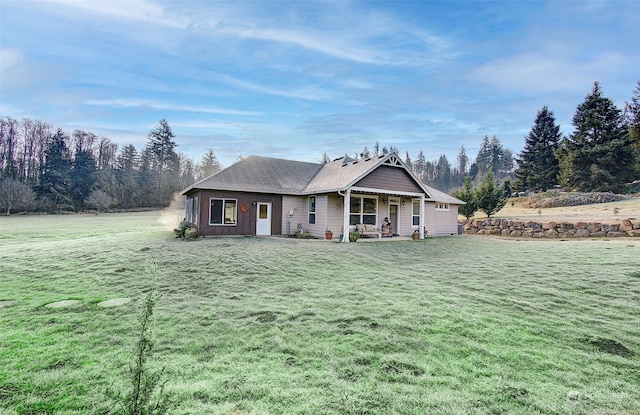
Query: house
pixel 268 196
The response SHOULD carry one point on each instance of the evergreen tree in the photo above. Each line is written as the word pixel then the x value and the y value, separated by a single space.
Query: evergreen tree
pixel 165 162
pixel 420 166
pixel 467 195
pixel 483 158
pixel 538 166
pixel 442 174
pixel 54 181
pixel 490 195
pixel 407 161
pixel 128 162
pixel 599 155
pixel 209 165
pixel 463 161
pixel 474 171
pixel 632 113
pixel 82 176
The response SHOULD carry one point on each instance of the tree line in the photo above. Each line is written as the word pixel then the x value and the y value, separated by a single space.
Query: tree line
pixel 601 154
pixel 49 170
pixel 46 169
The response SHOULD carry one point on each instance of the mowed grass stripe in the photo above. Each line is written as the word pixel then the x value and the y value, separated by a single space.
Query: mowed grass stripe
pixel 281 326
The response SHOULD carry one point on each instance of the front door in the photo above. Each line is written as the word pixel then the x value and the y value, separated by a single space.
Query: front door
pixel 393 217
pixel 263 220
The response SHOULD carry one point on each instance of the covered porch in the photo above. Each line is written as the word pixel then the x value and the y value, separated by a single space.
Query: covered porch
pixel 404 210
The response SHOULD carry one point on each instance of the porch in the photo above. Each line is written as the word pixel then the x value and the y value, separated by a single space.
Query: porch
pixel 374 207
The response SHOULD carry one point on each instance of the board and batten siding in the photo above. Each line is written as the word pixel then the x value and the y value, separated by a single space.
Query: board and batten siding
pixel 246 221
pixel 441 222
pixel 328 214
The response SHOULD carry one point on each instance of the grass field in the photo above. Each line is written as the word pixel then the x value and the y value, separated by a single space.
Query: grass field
pixel 453 325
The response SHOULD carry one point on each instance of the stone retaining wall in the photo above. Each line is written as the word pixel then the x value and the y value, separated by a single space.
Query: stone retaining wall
pixel 530 229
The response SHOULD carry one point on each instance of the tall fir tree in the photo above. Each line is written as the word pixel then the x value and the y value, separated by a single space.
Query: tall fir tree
pixel 208 165
pixel 599 155
pixel 82 175
pixel 538 166
pixel 166 163
pixel 632 114
pixel 420 166
pixel 54 181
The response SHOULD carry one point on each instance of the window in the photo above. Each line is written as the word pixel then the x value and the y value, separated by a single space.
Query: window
pixel 191 209
pixel 223 212
pixel 416 213
pixel 312 210
pixel 363 210
pixel 442 206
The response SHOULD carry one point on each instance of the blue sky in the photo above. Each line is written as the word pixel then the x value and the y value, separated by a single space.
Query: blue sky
pixel 294 79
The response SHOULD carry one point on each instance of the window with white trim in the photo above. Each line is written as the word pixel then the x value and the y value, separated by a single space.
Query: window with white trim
pixel 363 210
pixel 312 210
pixel 416 213
pixel 223 212
pixel 442 206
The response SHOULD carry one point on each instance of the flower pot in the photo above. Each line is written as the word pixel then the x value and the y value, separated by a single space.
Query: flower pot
pixel 328 235
pixel 416 235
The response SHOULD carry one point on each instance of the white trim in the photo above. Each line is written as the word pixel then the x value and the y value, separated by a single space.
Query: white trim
pixel 224 200
pixel 384 192
pixel 442 206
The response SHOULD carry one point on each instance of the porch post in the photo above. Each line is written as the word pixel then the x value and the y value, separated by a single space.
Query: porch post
pixel 422 222
pixel 345 215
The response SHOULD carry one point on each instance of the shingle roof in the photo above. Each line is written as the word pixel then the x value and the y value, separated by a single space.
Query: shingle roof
pixel 261 175
pixel 340 173
pixel 271 175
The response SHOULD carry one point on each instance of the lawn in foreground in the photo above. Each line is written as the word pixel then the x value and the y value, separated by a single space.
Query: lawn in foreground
pixel 280 326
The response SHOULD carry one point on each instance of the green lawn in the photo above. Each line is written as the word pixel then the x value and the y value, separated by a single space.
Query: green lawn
pixel 452 325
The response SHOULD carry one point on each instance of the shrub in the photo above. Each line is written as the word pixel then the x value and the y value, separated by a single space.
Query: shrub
pixel 146 395
pixel 186 230
pixel 190 233
pixel 353 236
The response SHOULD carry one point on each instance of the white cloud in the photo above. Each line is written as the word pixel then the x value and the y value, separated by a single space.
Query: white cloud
pixel 309 92
pixel 123 102
pixel 140 10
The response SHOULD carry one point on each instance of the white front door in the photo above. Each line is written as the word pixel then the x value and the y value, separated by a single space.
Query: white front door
pixel 263 220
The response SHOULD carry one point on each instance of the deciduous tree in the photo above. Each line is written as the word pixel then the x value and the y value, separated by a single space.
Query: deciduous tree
pixel 15 195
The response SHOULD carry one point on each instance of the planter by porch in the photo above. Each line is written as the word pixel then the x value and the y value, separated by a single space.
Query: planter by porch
pixel 328 235
pixel 416 234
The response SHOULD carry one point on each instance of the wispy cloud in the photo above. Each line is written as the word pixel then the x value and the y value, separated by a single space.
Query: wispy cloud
pixel 138 103
pixel 308 92
pixel 138 10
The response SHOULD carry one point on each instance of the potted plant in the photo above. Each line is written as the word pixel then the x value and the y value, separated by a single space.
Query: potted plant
pixel 416 234
pixel 328 234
